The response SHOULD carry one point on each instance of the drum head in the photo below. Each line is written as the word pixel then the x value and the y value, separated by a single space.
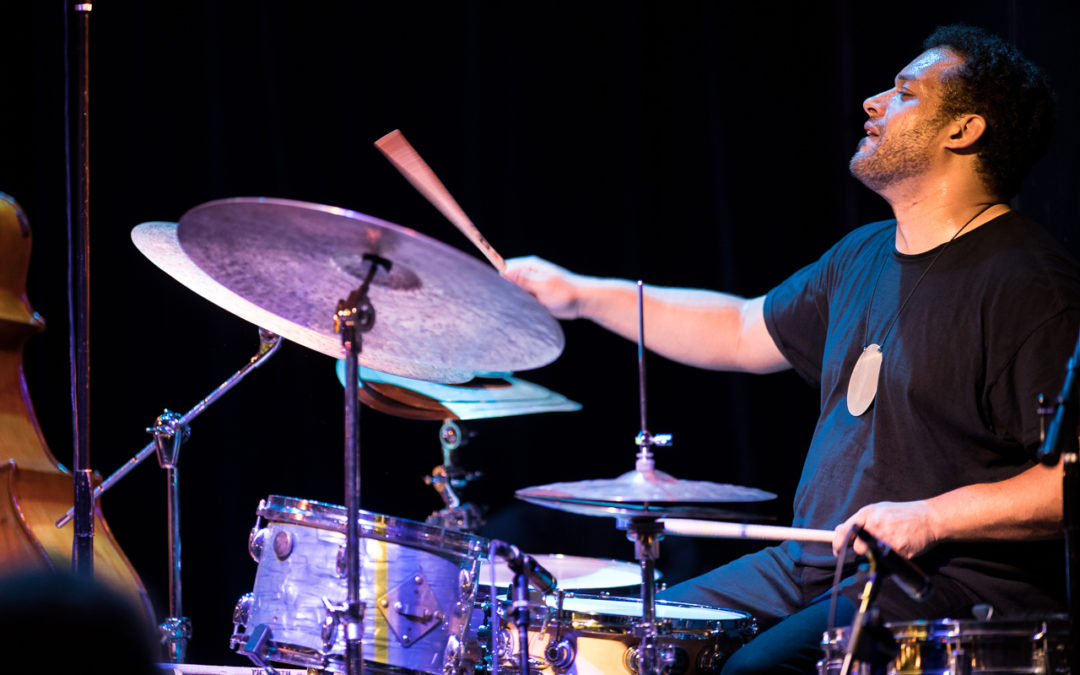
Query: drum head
pixel 573 572
pixel 600 612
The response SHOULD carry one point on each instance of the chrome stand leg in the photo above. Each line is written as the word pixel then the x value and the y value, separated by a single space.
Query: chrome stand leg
pixel 169 434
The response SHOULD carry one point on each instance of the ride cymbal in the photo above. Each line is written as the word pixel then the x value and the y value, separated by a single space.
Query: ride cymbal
pixel 441 315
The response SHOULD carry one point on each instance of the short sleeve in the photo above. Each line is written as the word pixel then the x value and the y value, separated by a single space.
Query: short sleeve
pixel 796 316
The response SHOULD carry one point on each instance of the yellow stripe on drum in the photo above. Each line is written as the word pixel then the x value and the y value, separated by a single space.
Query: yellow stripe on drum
pixel 377 559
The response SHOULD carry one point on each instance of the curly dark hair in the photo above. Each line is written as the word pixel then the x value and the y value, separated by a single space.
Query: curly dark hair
pixel 1009 92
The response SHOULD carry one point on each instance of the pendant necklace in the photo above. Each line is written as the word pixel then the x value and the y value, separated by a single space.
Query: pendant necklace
pixel 863 383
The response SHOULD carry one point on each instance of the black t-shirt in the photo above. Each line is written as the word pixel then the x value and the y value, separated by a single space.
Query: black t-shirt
pixel 988 327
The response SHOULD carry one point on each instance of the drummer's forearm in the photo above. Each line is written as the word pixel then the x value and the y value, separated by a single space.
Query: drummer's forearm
pixel 700 328
pixel 1024 507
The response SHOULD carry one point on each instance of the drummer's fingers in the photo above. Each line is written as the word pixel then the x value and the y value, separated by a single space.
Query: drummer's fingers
pixel 523 270
pixel 842 532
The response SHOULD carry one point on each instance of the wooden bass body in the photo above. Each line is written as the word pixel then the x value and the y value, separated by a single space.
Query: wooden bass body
pixel 35 490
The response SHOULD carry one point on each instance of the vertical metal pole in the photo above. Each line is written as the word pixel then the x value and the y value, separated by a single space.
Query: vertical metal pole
pixel 354 317
pixel 169 435
pixel 354 615
pixel 172 479
pixel 641 353
pixel 83 544
pixel 1072 561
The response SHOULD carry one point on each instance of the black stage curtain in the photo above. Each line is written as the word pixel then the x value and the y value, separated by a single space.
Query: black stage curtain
pixel 691 143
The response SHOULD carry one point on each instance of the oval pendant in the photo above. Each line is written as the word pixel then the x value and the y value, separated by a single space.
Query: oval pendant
pixel 862 386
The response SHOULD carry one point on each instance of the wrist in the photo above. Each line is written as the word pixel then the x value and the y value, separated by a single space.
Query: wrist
pixel 935 520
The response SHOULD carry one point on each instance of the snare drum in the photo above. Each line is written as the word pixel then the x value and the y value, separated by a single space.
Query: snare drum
pixel 595 635
pixel 417 584
pixel 951 647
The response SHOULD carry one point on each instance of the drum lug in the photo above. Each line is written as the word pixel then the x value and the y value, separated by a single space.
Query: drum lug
pixel 242 612
pixel 335 615
pixel 560 655
pixel 959 662
pixel 256 541
pixel 673 659
pixel 452 655
pixel 504 646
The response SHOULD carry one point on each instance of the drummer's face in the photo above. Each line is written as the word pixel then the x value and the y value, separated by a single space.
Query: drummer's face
pixel 905 127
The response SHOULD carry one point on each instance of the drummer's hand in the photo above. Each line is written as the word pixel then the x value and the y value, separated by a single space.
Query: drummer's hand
pixel 554 286
pixel 905 526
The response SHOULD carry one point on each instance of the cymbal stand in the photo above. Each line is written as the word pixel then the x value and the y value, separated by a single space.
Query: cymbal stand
pixel 354 317
pixel 652 658
pixel 449 477
pixel 169 434
pixel 268 344
pixel 646 533
pixel 170 431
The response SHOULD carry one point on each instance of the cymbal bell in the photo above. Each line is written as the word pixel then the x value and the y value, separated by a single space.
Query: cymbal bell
pixel 441 315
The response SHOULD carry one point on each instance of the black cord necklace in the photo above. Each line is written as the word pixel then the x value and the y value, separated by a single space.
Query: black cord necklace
pixel 863 383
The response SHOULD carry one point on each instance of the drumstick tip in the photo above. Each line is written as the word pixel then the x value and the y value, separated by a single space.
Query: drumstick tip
pixel 386 138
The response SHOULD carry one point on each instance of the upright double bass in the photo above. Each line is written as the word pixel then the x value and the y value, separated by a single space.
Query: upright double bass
pixel 34 489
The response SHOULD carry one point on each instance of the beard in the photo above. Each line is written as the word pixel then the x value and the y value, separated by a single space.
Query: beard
pixel 897 157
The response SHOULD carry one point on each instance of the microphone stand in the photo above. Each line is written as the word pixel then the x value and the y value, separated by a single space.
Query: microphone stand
pixel 1060 442
pixel 82 553
pixel 521 618
pixel 881 648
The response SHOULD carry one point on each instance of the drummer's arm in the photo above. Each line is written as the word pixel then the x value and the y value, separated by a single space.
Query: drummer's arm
pixel 696 327
pixel 1024 507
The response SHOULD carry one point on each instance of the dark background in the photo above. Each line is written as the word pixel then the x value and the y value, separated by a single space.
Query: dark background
pixel 684 143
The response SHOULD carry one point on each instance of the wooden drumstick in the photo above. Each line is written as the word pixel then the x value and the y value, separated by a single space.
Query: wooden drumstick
pixel 719 530
pixel 411 165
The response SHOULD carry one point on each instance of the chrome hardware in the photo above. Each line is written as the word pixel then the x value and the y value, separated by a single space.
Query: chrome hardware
pixel 256 542
pixel 335 616
pixel 242 612
pixel 411 609
pixel 452 655
pixel 283 544
pixel 560 655
pixel 665 655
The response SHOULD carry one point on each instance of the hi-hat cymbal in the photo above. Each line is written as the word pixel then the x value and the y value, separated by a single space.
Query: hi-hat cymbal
pixel 441 315
pixel 643 493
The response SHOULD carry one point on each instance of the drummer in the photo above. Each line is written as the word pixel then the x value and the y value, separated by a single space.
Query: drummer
pixel 968 308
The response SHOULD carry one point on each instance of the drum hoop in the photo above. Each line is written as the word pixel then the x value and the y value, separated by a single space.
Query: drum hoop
pixel 324 516
pixel 945 630
pixel 941 629
pixel 617 623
